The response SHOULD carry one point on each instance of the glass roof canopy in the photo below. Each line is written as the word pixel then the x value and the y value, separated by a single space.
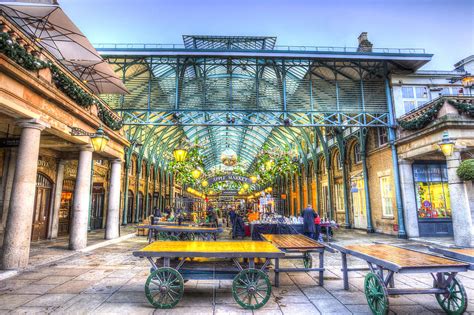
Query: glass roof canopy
pixel 243 92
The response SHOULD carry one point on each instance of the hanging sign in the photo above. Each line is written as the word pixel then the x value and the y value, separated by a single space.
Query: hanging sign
pixel 9 142
pixel 229 177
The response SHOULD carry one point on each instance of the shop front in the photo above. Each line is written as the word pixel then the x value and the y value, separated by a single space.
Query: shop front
pixel 432 198
pixel 97 206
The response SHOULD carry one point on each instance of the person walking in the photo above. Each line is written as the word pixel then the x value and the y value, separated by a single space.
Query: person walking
pixel 308 215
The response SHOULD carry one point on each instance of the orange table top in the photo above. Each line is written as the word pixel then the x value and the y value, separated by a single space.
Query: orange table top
pixel 225 249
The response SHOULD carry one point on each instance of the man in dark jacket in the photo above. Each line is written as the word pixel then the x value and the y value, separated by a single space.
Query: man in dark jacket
pixel 308 215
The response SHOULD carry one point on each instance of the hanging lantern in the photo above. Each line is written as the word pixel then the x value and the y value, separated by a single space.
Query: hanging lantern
pixel 269 165
pixel 253 178
pixel 245 186
pixel 180 154
pixel 229 157
pixel 269 189
pixel 196 173
pixel 204 183
pixel 99 140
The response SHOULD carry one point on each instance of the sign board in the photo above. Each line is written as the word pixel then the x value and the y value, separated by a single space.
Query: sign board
pixel 229 177
pixel 9 142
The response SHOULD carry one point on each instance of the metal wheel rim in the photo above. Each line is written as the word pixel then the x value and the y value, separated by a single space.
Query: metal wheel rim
pixel 454 302
pixel 376 294
pixel 164 287
pixel 251 289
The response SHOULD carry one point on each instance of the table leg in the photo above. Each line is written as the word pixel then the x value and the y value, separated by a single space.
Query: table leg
pixel 277 272
pixel 345 273
pixel 321 265
pixel 149 235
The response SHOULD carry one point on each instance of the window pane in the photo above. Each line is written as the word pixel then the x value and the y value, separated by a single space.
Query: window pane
pixel 420 103
pixel 432 194
pixel 409 106
pixel 421 92
pixel 407 92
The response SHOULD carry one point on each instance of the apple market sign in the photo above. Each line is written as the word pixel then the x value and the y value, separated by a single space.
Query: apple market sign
pixel 229 177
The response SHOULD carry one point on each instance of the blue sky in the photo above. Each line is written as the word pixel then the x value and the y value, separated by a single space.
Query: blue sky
pixel 443 27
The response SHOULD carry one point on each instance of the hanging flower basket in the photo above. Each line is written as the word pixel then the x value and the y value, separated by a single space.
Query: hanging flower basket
pixel 465 171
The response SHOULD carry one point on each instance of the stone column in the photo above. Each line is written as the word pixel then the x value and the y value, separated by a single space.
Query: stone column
pixel 462 220
pixel 58 189
pixel 16 243
pixel 80 207
pixel 409 198
pixel 113 210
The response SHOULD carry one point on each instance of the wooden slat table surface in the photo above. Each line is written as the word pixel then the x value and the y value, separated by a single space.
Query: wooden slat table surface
pixel 225 249
pixel 292 241
pixel 463 251
pixel 404 258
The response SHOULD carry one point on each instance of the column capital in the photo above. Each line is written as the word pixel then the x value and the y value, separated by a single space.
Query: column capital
pixel 86 147
pixel 116 161
pixel 32 124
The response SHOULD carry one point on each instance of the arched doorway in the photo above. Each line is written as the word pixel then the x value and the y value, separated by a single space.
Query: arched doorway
pixel 130 207
pixel 140 206
pixel 42 207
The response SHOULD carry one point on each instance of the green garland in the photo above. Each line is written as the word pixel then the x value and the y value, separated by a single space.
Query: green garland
pixel 428 116
pixel 19 55
pixel 465 170
pixel 283 163
pixel 22 57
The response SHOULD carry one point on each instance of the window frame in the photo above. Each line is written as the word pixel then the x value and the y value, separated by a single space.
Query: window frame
pixel 386 200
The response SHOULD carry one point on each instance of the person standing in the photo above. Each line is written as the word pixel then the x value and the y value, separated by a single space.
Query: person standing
pixel 308 215
pixel 317 228
pixel 232 216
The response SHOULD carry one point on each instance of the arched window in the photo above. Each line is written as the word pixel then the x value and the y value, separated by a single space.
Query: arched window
pixel 357 153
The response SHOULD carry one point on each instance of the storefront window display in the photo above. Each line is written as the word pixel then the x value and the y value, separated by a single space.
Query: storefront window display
pixel 432 193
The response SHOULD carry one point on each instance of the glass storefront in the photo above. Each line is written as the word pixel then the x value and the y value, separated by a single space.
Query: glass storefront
pixel 432 199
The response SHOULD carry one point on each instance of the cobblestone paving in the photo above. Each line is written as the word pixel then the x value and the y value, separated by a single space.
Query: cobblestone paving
pixel 111 281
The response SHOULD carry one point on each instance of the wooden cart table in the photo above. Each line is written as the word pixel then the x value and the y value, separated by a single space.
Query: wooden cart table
pixel 386 260
pixel 187 260
pixel 300 245
pixel 463 254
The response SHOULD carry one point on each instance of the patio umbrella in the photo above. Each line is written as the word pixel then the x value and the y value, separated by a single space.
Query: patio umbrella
pixel 52 29
pixel 98 76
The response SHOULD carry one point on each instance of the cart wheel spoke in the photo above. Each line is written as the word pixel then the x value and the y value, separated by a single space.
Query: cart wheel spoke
pixel 455 300
pixel 376 294
pixel 248 286
pixel 164 287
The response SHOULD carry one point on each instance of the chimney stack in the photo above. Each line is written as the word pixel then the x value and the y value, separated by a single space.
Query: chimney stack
pixel 364 44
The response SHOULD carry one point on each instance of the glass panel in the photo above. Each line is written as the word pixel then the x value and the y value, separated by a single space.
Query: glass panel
pixel 409 106
pixel 421 92
pixel 432 193
pixel 407 92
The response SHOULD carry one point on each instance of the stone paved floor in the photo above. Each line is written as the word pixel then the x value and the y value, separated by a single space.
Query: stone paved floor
pixel 110 280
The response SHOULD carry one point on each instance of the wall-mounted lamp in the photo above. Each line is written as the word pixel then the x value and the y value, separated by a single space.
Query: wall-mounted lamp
pixel 99 139
pixel 446 145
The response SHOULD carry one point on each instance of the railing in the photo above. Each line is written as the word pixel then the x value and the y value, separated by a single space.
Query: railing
pixel 139 46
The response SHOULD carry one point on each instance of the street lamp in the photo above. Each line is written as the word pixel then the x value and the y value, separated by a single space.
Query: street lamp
pixel 204 183
pixel 446 145
pixel 468 82
pixel 253 179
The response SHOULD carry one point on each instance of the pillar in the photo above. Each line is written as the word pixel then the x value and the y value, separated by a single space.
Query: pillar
pixel 461 213
pixel 80 207
pixel 330 201
pixel 126 183
pixel 113 210
pixel 58 189
pixel 17 238
pixel 409 198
